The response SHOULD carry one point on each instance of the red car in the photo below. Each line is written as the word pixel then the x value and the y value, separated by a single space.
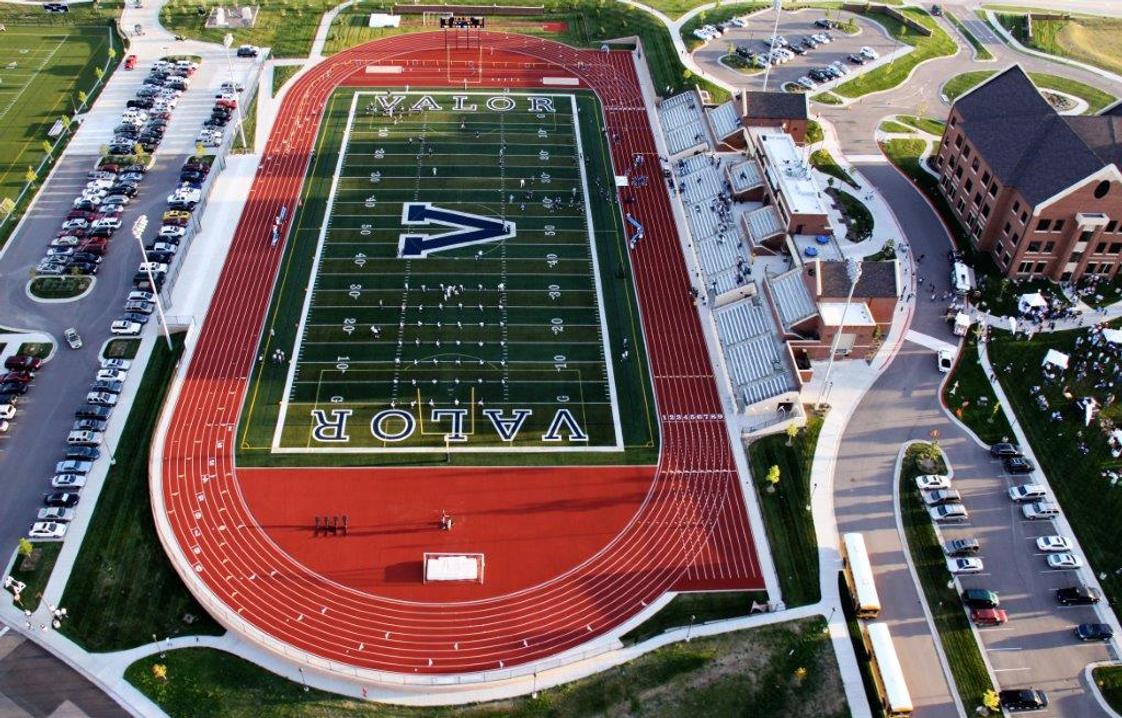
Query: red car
pixel 22 362
pixel 22 377
pixel 988 616
pixel 228 104
pixel 130 62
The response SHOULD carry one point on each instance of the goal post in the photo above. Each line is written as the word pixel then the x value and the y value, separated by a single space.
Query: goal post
pixel 442 567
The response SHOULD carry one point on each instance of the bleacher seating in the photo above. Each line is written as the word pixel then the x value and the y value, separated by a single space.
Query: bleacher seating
pixel 725 119
pixel 763 223
pixel 792 298
pixel 754 352
pixel 683 123
pixel 745 176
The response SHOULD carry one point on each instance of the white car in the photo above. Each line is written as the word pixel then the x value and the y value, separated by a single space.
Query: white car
pixel 111 375
pixel 73 338
pixel 869 53
pixel 4 426
pixel 77 223
pixel 47 530
pixel 931 482
pixel 122 364
pixel 964 565
pixel 56 513
pixel 1040 510
pixel 946 360
pixel 171 230
pixel 7 411
pixel 154 267
pixel 123 327
pixel 138 295
pixel 1052 544
pixel 1027 492
pixel 941 496
pixel 84 438
pixel 67 241
pixel 1064 561
pixel 948 513
pixel 68 481
pixel 185 195
pixel 107 223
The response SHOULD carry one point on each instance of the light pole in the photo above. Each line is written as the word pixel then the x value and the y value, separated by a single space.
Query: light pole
pixel 226 42
pixel 138 228
pixel 302 679
pixel 690 629
pixel 853 269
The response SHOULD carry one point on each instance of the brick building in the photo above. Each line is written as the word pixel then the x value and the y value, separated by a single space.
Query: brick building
pixel 1039 191
pixel 786 110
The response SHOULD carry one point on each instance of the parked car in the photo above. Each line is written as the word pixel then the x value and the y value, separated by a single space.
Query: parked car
pixel 988 616
pixel 93 411
pixel 47 530
pixel 110 375
pixel 247 51
pixel 102 398
pixel 1094 632
pixel 1018 465
pixel 113 387
pixel 948 513
pixel 130 62
pixel 73 466
pixel 1053 543
pixel 1004 449
pixel 980 598
pixel 61 499
pixel 1077 596
pixel 856 58
pixel 964 565
pixel 89 425
pixel 1025 699
pixel 68 481
pixel 1040 510
pixel 930 482
pixel 55 513
pixel 124 328
pixel 941 496
pixel 962 547
pixel 83 453
pixel 1027 492
pixel 22 362
pixel 83 437
pixel 7 411
pixel 1064 561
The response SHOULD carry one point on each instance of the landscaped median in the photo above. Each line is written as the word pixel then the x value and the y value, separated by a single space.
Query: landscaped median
pixel 972 679
pixel 774 671
pixel 1109 681
pixel 969 394
pixel 891 74
pixel 59 288
pixel 1095 98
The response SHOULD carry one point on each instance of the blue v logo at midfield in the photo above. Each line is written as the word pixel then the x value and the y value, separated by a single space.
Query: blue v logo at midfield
pixel 468 229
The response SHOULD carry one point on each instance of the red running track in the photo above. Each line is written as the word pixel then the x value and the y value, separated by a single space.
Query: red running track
pixel 685 528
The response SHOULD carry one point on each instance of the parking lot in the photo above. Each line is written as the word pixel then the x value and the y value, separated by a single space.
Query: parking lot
pixel 794 26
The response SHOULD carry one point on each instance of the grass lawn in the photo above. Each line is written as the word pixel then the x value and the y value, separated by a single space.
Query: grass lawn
pixel 59 287
pixel 857 215
pixel 249 125
pixel 1109 680
pixel 1090 503
pixel 770 672
pixel 1095 98
pixel 825 162
pixel 35 349
pixel 1091 40
pixel 740 64
pixel 814 132
pixel 951 621
pixel 123 589
pixel 927 124
pixel 890 126
pixel 286 27
pixel 47 63
pixel 826 98
pixel 789 524
pixel 282 74
pixel 121 349
pixel 35 570
pixel 939 44
pixel 973 400
pixel 980 49
pixel 703 607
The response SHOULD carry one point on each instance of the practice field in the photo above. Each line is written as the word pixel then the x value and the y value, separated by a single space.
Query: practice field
pixel 456 294
pixel 42 70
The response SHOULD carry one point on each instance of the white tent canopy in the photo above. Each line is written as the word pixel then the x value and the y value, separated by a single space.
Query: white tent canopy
pixel 1114 336
pixel 1055 358
pixel 1028 302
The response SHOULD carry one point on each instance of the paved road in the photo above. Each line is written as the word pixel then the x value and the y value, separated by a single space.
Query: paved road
pixel 35 684
pixel 1035 647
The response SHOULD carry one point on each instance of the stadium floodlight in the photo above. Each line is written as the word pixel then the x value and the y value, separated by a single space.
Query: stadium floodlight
pixel 227 41
pixel 138 228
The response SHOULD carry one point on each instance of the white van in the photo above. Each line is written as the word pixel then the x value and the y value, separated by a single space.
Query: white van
pixel 962 278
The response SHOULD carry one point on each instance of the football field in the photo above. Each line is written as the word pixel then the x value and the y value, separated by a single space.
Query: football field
pixel 455 300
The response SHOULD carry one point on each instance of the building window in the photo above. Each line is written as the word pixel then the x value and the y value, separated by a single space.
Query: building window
pixel 969 184
pixel 960 206
pixel 1040 266
pixel 1006 228
pixel 993 189
pixel 1044 225
pixel 986 180
pixel 986 211
pixel 1024 268
pixel 1049 246
pixel 977 231
pixel 977 199
pixel 966 152
pixel 1101 189
pixel 1058 226
pixel 958 141
pixel 974 167
pixel 1115 247
pixel 1024 216
pixel 1034 246
pixel 954 120
pixel 1100 247
pixel 1016 238
pixel 1016 207
pixel 1111 225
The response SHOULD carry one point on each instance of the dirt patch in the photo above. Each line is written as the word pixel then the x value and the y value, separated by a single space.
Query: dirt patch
pixel 1094 42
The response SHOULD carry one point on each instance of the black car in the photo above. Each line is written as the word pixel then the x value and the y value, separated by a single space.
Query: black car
pixel 823 23
pixel 1004 449
pixel 980 598
pixel 113 387
pixel 128 189
pixel 154 81
pixel 13 387
pixel 1024 699
pixel 86 257
pixel 89 425
pixel 216 122
pixel 93 411
pixel 1094 632
pixel 140 103
pixel 247 51
pixel 61 499
pixel 148 91
pixel 101 232
pixel 83 267
pixel 85 204
pixel 194 166
pixel 1019 465
pixel 1077 596
pixel 191 177
pixel 797 49
pixel 83 453
pixel 12 399
pixel 120 148
pixel 162 258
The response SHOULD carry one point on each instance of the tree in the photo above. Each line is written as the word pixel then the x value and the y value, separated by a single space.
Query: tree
pixel 30 176
pixel 159 671
pixel 200 149
pixel 48 147
pixel 6 206
pixel 991 700
pixel 800 673
pixel 65 120
pixel 792 432
pixel 99 73
pixel 82 98
pixel 112 52
pixel 772 478
pixel 25 547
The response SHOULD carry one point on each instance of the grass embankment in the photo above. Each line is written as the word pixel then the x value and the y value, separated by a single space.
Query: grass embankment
pixel 701 607
pixel 249 129
pixel 970 395
pixel 787 517
pixel 925 124
pixel 770 672
pixel 826 98
pixel 951 621
pixel 857 216
pixel 1090 503
pixel 1095 98
pixel 59 287
pixel 980 51
pixel 123 589
pixel 1109 681
pixel 286 27
pixel 1087 39
pixel 35 570
pixel 814 132
pixel 282 74
pixel 890 126
pixel 824 162
pixel 889 75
